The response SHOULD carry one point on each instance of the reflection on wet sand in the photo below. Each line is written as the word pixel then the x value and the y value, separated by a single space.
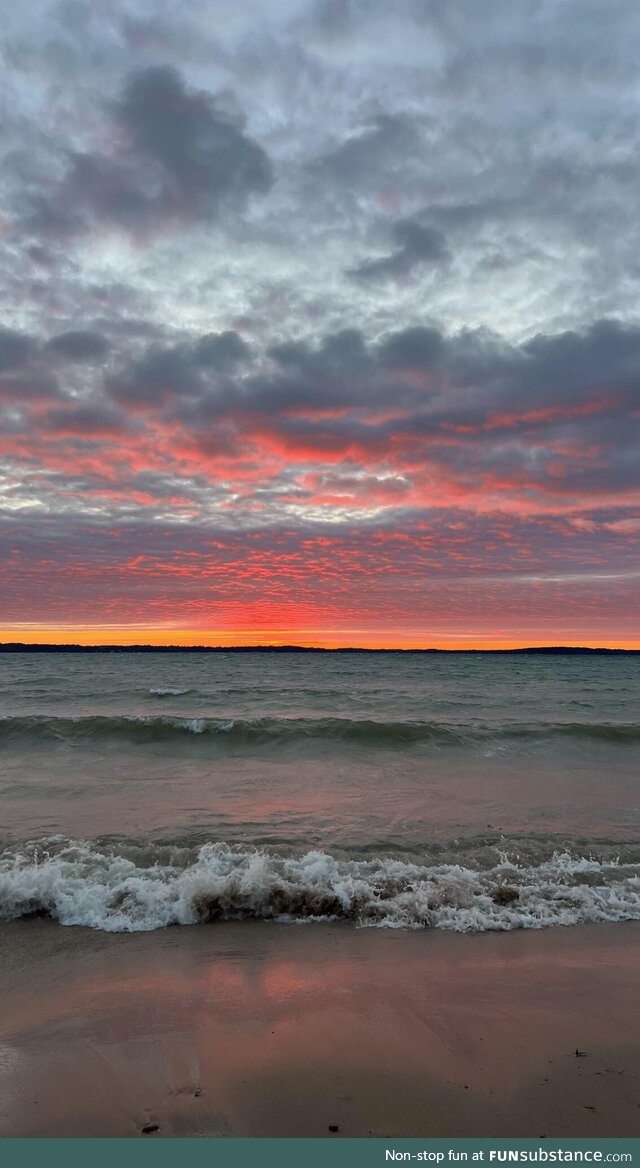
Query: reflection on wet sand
pixel 267 1030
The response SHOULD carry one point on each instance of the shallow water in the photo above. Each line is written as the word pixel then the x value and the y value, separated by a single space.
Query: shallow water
pixel 464 791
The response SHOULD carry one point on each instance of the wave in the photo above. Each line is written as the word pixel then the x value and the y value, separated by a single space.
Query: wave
pixel 120 889
pixel 264 730
pixel 168 691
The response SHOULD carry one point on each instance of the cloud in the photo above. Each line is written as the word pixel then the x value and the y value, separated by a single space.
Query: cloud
pixel 15 349
pixel 165 373
pixel 439 573
pixel 86 420
pixel 550 424
pixel 376 151
pixel 80 345
pixel 417 347
pixel 414 357
pixel 28 385
pixel 162 374
pixel 202 152
pixel 604 356
pixel 177 157
pixel 221 350
pixel 417 245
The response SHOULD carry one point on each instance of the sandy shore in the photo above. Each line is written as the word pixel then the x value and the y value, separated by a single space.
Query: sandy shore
pixel 268 1030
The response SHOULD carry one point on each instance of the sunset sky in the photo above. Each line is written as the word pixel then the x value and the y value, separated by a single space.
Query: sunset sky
pixel 320 322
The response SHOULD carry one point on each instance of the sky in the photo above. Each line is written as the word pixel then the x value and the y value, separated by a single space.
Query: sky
pixel 319 322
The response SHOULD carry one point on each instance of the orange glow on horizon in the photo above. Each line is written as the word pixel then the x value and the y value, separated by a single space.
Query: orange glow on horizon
pixel 305 638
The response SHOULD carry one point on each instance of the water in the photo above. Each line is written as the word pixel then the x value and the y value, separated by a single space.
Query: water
pixel 459 791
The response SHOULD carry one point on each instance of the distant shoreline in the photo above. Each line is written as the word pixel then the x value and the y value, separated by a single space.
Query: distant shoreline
pixel 549 650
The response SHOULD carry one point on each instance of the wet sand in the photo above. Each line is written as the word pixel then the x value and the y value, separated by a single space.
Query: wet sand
pixel 275 1030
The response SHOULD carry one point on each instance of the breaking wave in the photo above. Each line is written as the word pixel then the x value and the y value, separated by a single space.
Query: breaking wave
pixel 120 889
pixel 264 730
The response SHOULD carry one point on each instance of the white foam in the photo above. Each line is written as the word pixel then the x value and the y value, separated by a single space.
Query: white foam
pixel 192 725
pixel 168 692
pixel 77 884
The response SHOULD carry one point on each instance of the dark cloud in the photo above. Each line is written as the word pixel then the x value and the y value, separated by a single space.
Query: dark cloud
pixel 87 420
pixel 605 357
pixel 80 345
pixel 376 152
pixel 165 373
pixel 28 385
pixel 532 419
pixel 332 19
pixel 178 157
pixel 334 373
pixel 41 255
pixel 23 377
pixel 15 349
pixel 158 377
pixel 442 380
pixel 202 150
pixel 342 352
pixel 221 350
pixel 553 418
pixel 417 347
pixel 416 245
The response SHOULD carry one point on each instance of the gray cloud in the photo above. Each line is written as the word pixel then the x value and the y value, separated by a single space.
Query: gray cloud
pixel 202 151
pixel 221 350
pixel 80 345
pixel 416 245
pixel 164 373
pixel 28 385
pixel 15 349
pixel 178 157
pixel 91 419
pixel 379 150
pixel 418 346
pixel 161 375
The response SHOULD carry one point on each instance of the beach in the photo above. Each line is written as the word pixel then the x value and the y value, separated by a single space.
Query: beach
pixel 273 895
pixel 274 1030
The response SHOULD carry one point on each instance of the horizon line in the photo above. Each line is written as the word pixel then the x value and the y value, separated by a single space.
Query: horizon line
pixel 144 647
